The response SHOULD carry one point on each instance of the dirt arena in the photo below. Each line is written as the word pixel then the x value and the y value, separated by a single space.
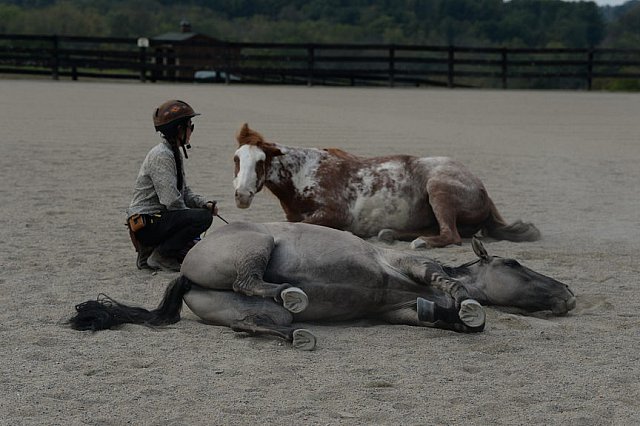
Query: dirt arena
pixel 567 161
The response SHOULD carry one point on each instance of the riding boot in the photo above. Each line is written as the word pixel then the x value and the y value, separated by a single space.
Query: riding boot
pixel 143 254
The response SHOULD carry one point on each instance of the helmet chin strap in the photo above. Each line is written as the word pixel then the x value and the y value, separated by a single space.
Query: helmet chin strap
pixel 183 145
pixel 184 150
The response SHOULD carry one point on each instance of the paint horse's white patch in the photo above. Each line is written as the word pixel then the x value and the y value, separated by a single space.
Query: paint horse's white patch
pixel 303 168
pixel 377 198
pixel 246 181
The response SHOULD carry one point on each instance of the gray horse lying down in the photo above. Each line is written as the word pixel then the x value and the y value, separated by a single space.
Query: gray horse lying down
pixel 264 278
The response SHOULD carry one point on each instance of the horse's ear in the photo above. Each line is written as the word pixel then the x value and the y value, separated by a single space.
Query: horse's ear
pixel 479 250
pixel 242 133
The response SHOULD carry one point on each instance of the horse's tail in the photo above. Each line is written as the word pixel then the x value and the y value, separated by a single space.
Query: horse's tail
pixel 104 312
pixel 496 227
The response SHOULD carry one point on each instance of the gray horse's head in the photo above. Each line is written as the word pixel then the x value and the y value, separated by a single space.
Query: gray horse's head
pixel 505 282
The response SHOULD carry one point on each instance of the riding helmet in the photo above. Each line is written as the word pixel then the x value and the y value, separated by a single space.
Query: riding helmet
pixel 171 112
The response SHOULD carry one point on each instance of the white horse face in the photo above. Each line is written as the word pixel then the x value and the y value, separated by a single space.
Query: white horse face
pixel 249 174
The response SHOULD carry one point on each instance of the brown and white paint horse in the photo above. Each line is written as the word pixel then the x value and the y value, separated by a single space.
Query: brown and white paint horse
pixel 435 199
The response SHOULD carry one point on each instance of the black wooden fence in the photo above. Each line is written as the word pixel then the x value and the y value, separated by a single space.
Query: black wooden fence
pixel 313 64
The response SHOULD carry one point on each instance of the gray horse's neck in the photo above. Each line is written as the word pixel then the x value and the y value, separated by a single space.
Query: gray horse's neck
pixel 470 276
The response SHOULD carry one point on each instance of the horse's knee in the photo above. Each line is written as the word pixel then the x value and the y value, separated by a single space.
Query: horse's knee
pixel 450 286
pixel 246 287
pixel 255 286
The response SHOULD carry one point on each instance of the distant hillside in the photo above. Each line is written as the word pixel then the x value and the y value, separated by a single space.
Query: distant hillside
pixel 613 13
pixel 529 23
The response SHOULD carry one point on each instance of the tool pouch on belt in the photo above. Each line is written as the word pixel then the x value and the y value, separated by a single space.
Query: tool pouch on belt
pixel 136 222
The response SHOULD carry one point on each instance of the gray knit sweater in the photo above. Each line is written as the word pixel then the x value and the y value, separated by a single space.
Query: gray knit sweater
pixel 156 188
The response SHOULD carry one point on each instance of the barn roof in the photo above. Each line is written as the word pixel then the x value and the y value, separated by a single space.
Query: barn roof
pixel 185 34
pixel 177 37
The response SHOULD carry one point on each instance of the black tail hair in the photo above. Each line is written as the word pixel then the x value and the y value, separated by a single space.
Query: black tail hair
pixel 104 312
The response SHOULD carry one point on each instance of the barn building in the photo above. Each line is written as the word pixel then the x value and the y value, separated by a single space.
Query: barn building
pixel 190 52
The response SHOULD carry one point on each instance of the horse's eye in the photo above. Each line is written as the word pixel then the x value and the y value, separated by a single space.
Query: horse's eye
pixel 511 263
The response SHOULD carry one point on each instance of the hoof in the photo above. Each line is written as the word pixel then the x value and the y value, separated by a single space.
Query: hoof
pixel 419 243
pixel 387 236
pixel 303 340
pixel 426 310
pixel 472 314
pixel 294 300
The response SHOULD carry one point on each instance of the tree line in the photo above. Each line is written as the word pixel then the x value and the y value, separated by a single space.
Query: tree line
pixel 517 23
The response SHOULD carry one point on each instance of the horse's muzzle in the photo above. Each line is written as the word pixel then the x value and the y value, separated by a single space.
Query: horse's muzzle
pixel 565 304
pixel 243 199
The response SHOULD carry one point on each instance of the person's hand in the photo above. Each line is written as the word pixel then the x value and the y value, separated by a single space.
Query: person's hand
pixel 213 208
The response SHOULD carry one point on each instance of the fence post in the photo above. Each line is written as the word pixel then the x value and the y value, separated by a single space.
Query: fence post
pixel 589 67
pixel 392 51
pixel 310 64
pixel 227 64
pixel 504 67
pixel 54 59
pixel 450 67
pixel 143 43
pixel 143 64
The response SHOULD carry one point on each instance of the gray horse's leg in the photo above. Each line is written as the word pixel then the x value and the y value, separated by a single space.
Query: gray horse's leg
pixel 420 269
pixel 299 338
pixel 238 261
pixel 428 272
pixel 466 312
pixel 250 262
pixel 451 286
pixel 428 314
pixel 470 310
pixel 247 314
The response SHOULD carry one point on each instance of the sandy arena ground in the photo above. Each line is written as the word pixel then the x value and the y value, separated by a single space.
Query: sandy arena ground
pixel 567 161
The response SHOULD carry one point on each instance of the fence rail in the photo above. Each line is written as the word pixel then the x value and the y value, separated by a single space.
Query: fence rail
pixel 313 64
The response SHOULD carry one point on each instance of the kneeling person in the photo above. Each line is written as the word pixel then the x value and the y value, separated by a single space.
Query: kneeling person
pixel 165 216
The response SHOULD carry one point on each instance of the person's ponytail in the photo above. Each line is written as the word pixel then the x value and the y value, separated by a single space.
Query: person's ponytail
pixel 178 160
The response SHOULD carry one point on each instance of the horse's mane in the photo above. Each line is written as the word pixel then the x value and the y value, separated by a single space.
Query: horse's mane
pixel 248 136
pixel 458 271
pixel 337 152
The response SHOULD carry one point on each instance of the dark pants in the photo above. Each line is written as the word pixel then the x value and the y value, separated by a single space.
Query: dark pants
pixel 174 230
